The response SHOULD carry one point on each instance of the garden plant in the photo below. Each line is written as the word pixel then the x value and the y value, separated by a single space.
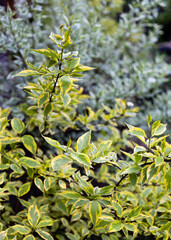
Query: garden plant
pixel 90 188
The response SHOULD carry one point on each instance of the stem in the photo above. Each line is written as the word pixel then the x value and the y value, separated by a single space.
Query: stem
pixel 122 178
pixel 54 87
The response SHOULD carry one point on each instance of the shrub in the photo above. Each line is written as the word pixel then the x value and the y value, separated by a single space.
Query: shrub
pixel 79 190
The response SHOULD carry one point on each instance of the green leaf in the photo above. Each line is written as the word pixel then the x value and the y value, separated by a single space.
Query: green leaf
pixel 44 235
pixel 25 188
pixel 138 132
pixel 81 158
pixel 95 211
pixel 29 162
pixel 115 226
pixel 167 178
pixel 17 125
pixel 43 99
pixel 65 84
pixel 117 207
pixel 83 141
pixel 70 194
pixel 21 229
pixel 29 143
pixel 48 109
pixel 38 182
pixel 133 178
pixel 59 162
pixel 33 215
pixel 160 129
pixel 27 72
pixel 29 237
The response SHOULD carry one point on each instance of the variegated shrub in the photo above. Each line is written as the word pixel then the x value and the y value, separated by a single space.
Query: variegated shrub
pixel 79 190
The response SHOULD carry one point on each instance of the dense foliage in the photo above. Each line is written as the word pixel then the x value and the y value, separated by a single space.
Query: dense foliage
pixel 83 189
pixel 126 61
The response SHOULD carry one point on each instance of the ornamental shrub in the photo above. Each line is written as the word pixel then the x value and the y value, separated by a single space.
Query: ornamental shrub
pixel 83 189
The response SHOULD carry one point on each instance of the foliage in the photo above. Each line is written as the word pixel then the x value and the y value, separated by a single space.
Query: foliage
pixel 79 190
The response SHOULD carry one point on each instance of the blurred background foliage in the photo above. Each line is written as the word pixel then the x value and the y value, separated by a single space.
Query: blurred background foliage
pixel 118 38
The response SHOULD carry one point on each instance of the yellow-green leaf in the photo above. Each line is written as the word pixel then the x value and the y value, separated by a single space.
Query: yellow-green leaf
pixel 131 169
pixel 48 53
pixel 65 84
pixel 160 129
pixel 117 207
pixel 17 125
pixel 54 143
pixel 45 222
pixel 138 132
pixel 130 226
pixel 21 229
pixel 38 182
pixel 81 158
pixel 95 211
pixel 159 160
pixel 83 141
pixel 25 188
pixel 29 162
pixel 81 68
pixel 33 215
pixel 48 183
pixel 3 234
pixel 29 237
pixel 135 212
pixel 66 99
pixel 167 178
pixel 43 99
pixel 74 63
pixel 29 143
pixel 59 162
pixel 27 72
pixel 115 226
pixel 44 235
pixel 104 146
pixel 70 194
pixel 48 108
